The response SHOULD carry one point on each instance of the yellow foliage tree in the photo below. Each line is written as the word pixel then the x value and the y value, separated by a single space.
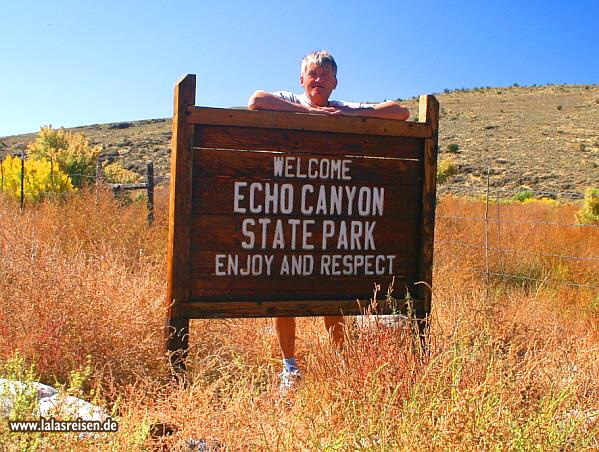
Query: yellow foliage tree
pixel 589 213
pixel 72 152
pixel 41 178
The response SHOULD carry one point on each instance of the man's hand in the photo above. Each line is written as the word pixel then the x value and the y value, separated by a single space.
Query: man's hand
pixel 383 110
pixel 262 100
pixel 331 111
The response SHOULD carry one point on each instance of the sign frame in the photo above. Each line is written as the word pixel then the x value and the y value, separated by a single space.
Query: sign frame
pixel 289 133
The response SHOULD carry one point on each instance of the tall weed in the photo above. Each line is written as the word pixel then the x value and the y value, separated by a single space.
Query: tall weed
pixel 510 366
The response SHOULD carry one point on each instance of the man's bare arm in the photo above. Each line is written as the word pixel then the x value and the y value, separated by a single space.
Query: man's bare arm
pixel 383 110
pixel 262 100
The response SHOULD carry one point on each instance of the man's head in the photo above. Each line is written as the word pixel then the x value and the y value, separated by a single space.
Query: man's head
pixel 319 77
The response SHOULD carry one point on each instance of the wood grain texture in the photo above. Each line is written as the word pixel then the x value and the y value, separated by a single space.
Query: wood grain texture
pixel 176 333
pixel 429 113
pixel 294 288
pixel 259 165
pixel 214 148
pixel 305 121
pixel 302 141
pixel 224 232
pixel 306 308
pixel 216 196
pixel 203 262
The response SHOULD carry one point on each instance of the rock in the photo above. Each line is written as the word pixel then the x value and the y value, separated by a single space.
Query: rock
pixel 68 407
pixel 366 322
pixel 50 401
pixel 10 390
pixel 136 167
pixel 120 125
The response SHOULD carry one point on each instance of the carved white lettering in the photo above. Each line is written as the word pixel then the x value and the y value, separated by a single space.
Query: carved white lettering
pixel 326 169
pixel 286 198
pixel 306 235
pixel 251 238
pixel 271 198
pixel 255 208
pixel 238 197
pixel 356 264
pixel 278 166
pixel 235 265
pixel 304 208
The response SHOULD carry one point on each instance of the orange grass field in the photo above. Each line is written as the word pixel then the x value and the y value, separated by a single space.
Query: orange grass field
pixel 513 362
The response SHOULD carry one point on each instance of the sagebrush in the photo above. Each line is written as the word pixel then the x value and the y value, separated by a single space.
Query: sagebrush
pixel 512 364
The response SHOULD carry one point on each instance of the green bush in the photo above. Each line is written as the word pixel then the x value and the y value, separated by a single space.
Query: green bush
pixel 453 147
pixel 72 152
pixel 523 195
pixel 589 213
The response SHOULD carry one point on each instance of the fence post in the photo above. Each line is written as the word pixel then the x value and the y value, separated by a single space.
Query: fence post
pixel 22 180
pixel 487 233
pixel 150 188
pixel 99 178
pixel 99 172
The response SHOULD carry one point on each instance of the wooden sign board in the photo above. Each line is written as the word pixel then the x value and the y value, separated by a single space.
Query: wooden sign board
pixel 287 214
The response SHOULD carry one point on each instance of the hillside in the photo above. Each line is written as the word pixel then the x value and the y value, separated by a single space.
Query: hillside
pixel 542 138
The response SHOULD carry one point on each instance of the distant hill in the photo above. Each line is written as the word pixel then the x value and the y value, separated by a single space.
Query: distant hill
pixel 541 138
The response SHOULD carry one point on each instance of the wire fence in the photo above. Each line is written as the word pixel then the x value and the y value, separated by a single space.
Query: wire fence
pixel 503 231
pixel 97 179
pixel 488 243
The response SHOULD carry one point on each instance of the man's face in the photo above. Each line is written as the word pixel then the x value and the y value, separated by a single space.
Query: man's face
pixel 319 82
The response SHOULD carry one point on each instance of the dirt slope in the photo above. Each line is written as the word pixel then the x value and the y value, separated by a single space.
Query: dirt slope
pixel 542 138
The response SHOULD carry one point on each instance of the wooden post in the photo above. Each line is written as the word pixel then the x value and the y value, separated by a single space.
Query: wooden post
pixel 150 188
pixel 99 172
pixel 177 328
pixel 22 180
pixel 429 113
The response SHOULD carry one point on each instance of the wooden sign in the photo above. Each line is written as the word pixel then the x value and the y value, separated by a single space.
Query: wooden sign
pixel 288 214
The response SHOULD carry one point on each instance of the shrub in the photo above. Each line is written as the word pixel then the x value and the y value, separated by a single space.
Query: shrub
pixel 523 195
pixel 445 170
pixel 115 173
pixel 453 147
pixel 72 151
pixel 545 201
pixel 41 178
pixel 589 213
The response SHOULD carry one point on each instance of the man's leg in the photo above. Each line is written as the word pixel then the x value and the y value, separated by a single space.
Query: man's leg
pixel 285 328
pixel 334 326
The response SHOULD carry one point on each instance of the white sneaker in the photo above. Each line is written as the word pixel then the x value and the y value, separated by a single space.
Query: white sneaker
pixel 289 380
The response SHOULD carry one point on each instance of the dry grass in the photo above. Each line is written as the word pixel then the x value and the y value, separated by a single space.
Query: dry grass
pixel 512 364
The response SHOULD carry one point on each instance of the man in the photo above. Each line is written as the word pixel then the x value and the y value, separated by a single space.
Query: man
pixel 318 77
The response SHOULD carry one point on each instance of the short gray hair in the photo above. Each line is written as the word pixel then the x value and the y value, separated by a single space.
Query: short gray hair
pixel 318 58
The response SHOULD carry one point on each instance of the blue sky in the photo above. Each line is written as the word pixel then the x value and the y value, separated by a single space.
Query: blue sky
pixel 70 63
